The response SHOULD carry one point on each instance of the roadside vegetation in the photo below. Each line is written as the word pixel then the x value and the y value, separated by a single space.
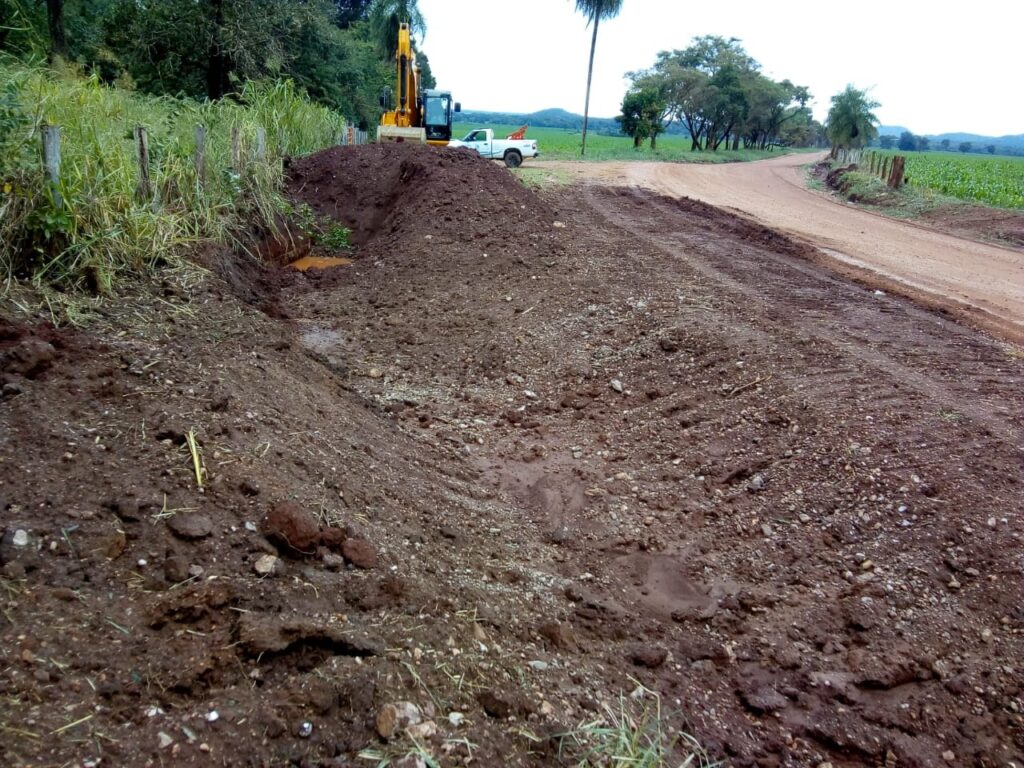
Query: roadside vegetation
pixel 96 222
pixel 259 81
pixel 977 196
pixel 994 181
pixel 931 182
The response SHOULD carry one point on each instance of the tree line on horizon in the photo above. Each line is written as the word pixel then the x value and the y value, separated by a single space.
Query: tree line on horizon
pixel 339 51
pixel 909 142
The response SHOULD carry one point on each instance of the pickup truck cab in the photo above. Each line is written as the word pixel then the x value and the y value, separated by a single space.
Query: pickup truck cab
pixel 511 151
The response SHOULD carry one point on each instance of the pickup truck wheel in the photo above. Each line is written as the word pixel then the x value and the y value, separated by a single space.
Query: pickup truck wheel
pixel 513 159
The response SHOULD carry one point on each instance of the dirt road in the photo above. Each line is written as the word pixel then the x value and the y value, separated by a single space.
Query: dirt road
pixel 984 282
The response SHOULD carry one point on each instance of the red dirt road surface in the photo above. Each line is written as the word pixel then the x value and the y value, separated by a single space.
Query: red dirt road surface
pixel 982 281
pixel 530 462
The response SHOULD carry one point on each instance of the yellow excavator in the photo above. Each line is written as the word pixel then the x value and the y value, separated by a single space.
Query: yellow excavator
pixel 423 116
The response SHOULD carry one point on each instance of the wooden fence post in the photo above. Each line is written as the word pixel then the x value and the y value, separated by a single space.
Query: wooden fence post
pixel 201 155
pixel 51 161
pixel 236 149
pixel 144 189
pixel 261 144
pixel 896 176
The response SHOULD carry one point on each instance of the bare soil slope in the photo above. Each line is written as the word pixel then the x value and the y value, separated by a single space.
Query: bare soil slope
pixel 981 282
pixel 522 457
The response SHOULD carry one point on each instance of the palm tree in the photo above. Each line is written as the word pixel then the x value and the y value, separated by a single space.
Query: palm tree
pixel 594 10
pixel 851 123
pixel 384 17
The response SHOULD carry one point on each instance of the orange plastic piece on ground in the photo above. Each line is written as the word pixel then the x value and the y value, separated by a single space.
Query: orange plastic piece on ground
pixel 319 262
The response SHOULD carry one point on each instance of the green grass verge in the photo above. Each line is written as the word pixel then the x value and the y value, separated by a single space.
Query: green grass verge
pixel 560 144
pixel 102 226
pixel 908 202
pixel 539 177
pixel 869 191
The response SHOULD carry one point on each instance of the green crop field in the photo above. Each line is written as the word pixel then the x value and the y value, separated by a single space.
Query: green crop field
pixel 561 144
pixel 996 181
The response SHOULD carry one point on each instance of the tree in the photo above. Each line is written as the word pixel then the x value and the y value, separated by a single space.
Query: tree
pixel 55 22
pixel 383 19
pixel 427 79
pixel 210 48
pixel 219 64
pixel 965 146
pixel 907 142
pixel 22 29
pixel 888 141
pixel 800 131
pixel 771 107
pixel 727 106
pixel 594 10
pixel 944 144
pixel 706 87
pixel 641 117
pixel 922 143
pixel 350 11
pixel 850 123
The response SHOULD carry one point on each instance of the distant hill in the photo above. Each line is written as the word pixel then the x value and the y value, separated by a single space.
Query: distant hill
pixel 1000 141
pixel 891 130
pixel 545 118
pixel 1013 145
pixel 551 118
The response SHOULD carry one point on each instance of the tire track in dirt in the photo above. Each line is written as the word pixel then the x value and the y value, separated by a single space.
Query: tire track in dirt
pixel 800 300
pixel 701 435
pixel 978 281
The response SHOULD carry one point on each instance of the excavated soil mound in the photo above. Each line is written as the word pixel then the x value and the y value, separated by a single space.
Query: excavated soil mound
pixel 389 193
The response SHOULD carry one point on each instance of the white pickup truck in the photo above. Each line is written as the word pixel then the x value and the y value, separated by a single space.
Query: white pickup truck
pixel 512 151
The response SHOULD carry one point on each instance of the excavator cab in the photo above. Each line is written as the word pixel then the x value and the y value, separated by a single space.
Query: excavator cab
pixel 438 109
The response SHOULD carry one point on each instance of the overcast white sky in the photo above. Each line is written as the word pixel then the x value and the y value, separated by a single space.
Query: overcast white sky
pixel 934 67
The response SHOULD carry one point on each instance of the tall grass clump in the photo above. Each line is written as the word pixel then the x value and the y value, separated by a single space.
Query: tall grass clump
pixel 632 735
pixel 93 225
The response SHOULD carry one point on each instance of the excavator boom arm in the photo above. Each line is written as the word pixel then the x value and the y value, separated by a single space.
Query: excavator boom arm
pixel 406 113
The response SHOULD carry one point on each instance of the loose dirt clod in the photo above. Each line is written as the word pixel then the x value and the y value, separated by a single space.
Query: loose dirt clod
pixel 359 552
pixel 191 525
pixel 292 528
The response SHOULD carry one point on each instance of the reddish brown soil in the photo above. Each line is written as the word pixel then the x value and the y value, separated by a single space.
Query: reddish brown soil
pixel 989 224
pixel 524 456
pixel 980 283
